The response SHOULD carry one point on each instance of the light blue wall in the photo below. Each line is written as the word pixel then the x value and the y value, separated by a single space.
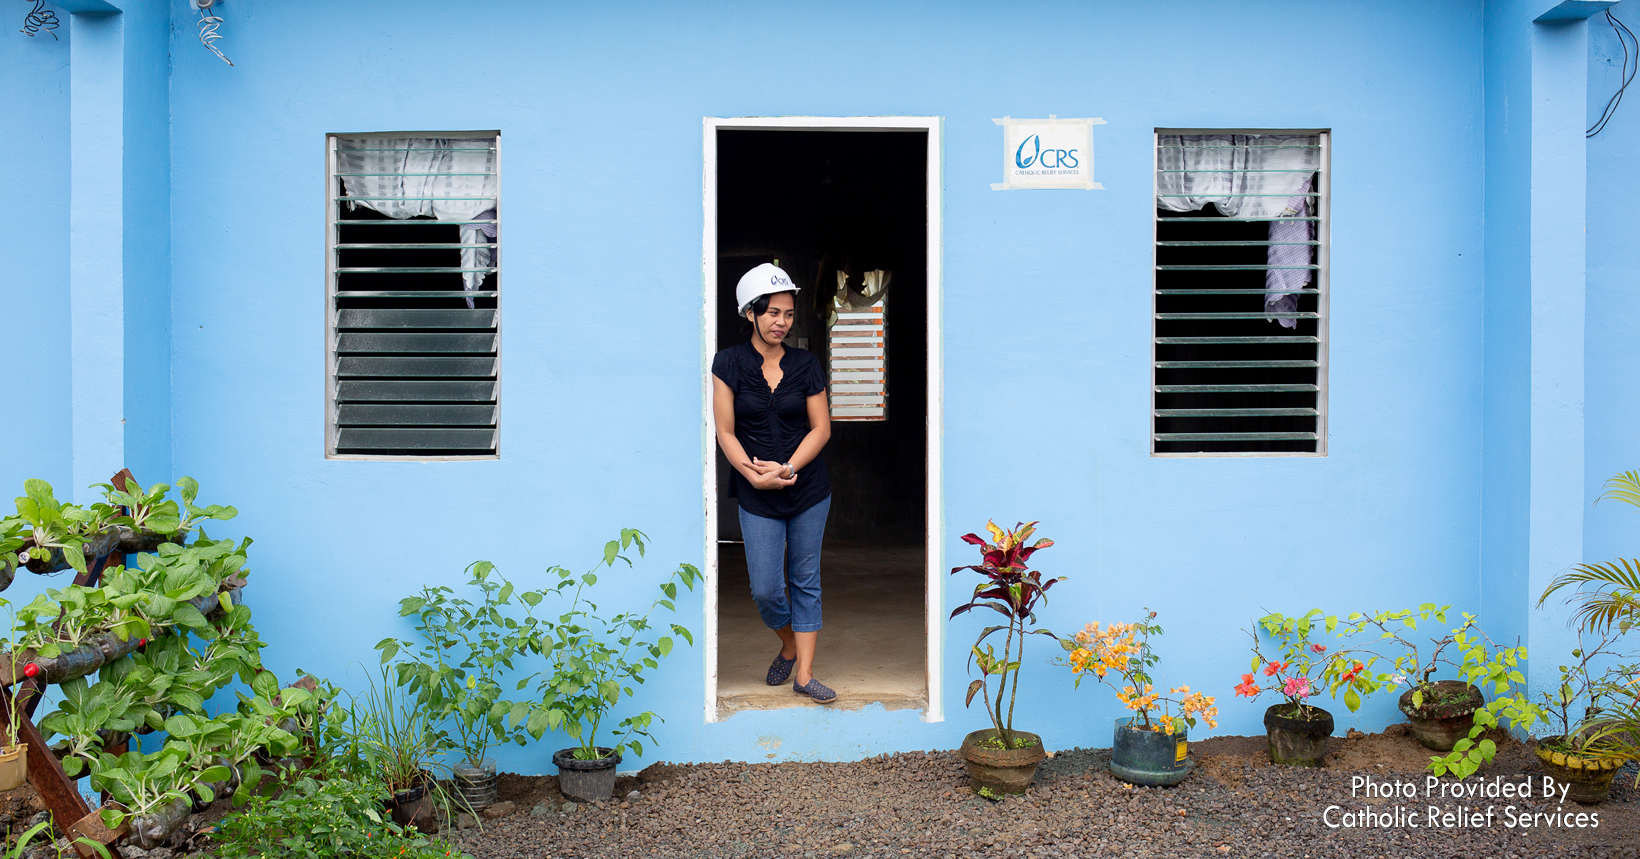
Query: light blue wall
pixel 35 436
pixel 147 240
pixel 1612 530
pixel 1047 302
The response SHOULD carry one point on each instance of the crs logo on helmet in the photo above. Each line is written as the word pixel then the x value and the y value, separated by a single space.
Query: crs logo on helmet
pixel 780 280
pixel 1062 158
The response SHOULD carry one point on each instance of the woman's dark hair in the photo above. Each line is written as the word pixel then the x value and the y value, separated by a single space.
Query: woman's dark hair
pixel 760 304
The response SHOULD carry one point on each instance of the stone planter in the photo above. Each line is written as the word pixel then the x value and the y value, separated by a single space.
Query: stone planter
pixel 1001 770
pixel 1150 758
pixel 1295 741
pixel 1446 715
pixel 587 781
pixel 1589 776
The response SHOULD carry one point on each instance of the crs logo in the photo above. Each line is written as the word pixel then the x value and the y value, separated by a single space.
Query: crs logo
pixel 1039 156
pixel 780 280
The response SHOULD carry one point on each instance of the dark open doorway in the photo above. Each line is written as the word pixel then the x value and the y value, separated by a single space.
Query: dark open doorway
pixel 845 214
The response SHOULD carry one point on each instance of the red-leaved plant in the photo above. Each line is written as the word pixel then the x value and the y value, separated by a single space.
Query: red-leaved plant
pixel 1012 589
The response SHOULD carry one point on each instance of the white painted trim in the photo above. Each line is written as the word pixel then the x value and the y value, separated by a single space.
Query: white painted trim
pixel 934 587
pixel 708 322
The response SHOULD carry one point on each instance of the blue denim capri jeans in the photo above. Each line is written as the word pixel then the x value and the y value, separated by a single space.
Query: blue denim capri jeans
pixel 783 557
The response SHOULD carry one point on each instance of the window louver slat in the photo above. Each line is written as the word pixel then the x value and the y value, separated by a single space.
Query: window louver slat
pixel 415 324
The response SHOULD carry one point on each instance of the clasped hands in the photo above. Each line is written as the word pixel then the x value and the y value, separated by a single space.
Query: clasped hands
pixel 769 475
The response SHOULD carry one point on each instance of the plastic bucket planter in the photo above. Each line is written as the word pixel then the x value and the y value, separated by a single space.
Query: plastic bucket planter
pixel 587 781
pixel 13 766
pixel 475 786
pixel 1150 758
pixel 1294 741
pixel 1447 714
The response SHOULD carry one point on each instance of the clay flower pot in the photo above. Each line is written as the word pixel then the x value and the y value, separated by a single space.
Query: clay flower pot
pixel 1446 715
pixel 1001 770
pixel 1296 741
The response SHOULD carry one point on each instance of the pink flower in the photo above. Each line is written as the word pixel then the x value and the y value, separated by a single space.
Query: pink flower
pixel 1318 648
pixel 1297 687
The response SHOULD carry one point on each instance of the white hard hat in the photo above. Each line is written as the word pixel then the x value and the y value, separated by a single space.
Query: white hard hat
pixel 761 280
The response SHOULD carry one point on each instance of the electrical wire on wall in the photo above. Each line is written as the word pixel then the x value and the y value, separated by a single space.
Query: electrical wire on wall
pixel 39 18
pixel 1627 74
pixel 208 23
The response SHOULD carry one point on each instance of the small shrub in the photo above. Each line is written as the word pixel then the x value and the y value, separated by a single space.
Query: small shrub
pixel 341 816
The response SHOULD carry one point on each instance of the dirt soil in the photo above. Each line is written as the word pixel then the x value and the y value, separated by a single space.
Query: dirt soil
pixel 919 804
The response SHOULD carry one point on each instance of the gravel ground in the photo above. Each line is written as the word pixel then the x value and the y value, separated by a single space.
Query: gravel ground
pixel 919 804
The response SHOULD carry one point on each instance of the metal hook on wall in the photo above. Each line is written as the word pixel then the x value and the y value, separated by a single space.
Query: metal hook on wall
pixel 208 23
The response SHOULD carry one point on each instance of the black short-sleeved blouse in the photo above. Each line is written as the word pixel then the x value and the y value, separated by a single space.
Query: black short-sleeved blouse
pixel 771 424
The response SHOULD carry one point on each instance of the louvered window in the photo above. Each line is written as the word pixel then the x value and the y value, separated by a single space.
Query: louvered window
pixel 1240 293
pixel 857 352
pixel 413 294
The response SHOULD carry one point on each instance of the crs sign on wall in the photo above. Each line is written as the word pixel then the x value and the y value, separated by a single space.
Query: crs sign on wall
pixel 1047 153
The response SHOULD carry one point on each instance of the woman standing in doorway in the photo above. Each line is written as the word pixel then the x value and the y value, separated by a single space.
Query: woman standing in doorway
pixel 769 404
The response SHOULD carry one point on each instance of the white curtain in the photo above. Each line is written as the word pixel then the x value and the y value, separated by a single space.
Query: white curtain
pixel 1225 169
pixel 1254 177
pixel 458 173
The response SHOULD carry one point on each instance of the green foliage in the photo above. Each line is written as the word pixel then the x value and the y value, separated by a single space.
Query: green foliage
pixel 339 816
pixel 467 647
pixel 385 735
pixel 591 658
pixel 1009 587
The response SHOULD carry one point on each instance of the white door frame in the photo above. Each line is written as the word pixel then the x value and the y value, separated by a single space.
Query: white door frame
pixel 934 626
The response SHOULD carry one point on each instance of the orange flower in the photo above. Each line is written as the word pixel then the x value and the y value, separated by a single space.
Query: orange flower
pixel 1271 669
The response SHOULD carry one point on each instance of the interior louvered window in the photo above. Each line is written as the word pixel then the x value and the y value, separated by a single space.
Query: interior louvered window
pixel 413 294
pixel 858 354
pixel 1240 354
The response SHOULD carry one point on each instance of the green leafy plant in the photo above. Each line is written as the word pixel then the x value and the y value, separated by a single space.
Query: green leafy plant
pixel 1593 682
pixel 337 817
pixel 25 840
pixel 188 488
pixel 145 509
pixel 1607 606
pixel 591 657
pixel 1480 661
pixel 388 736
pixel 54 525
pixel 467 648
pixel 1305 667
pixel 1012 589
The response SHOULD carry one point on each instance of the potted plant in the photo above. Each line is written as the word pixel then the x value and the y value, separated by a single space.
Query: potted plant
pixel 1584 753
pixel 14 752
pixel 1000 759
pixel 1607 600
pixel 1145 751
pixel 393 740
pixel 1450 715
pixel 590 658
pixel 1296 729
pixel 61 535
pixel 456 674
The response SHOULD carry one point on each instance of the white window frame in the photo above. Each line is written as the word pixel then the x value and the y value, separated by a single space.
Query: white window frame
pixel 1323 284
pixel 330 214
